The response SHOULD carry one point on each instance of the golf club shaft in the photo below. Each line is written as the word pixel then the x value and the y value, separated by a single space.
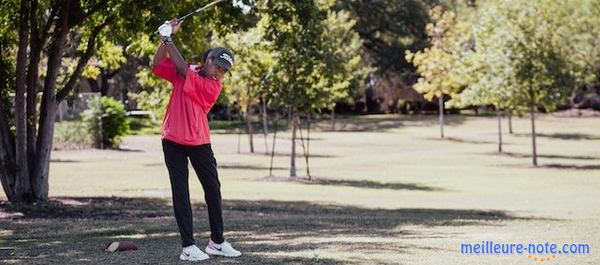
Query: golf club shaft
pixel 198 10
pixel 179 20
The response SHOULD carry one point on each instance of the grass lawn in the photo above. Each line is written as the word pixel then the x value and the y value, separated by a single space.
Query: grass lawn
pixel 385 190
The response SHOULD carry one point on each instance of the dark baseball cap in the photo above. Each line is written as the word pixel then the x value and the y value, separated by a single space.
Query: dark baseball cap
pixel 222 57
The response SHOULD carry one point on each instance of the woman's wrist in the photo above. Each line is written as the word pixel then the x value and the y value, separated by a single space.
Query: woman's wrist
pixel 166 40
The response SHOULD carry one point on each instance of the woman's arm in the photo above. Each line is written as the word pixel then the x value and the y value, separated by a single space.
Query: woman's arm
pixel 161 53
pixel 176 58
pixel 172 51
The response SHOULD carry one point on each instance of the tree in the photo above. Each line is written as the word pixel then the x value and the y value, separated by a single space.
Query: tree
pixel 341 70
pixel 49 35
pixel 25 163
pixel 254 64
pixel 525 58
pixel 311 73
pixel 439 65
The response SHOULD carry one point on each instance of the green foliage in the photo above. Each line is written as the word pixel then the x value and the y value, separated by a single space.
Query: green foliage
pixel 69 135
pixel 8 36
pixel 253 68
pixel 155 93
pixel 440 64
pixel 529 53
pixel 107 121
pixel 388 28
pixel 317 57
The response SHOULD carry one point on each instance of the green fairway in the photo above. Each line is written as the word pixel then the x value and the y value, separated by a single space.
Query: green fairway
pixel 386 190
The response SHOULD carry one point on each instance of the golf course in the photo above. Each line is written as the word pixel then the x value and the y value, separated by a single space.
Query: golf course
pixel 385 189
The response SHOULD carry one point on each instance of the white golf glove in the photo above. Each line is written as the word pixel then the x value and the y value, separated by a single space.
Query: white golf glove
pixel 165 30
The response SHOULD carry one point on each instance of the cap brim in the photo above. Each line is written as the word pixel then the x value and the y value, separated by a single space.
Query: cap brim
pixel 223 64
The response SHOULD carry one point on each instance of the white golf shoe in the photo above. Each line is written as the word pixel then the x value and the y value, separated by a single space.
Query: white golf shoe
pixel 223 249
pixel 193 253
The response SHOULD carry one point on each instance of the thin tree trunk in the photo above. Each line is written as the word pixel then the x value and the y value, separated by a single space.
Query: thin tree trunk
pixel 293 155
pixel 265 123
pixel 510 130
pixel 265 119
pixel 499 115
pixel 239 140
pixel 305 150
pixel 249 127
pixel 49 105
pixel 441 110
pixel 533 135
pixel 273 145
pixel 333 118
pixel 23 192
pixel 308 146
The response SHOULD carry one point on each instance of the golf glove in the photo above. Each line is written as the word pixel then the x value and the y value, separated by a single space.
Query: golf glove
pixel 165 30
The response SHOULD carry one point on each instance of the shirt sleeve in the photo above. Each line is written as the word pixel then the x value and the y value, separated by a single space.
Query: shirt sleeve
pixel 202 90
pixel 166 70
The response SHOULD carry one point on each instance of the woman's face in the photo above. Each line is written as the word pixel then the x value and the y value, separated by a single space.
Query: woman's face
pixel 215 70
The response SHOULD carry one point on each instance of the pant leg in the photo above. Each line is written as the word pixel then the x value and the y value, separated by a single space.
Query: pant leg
pixel 177 164
pixel 205 165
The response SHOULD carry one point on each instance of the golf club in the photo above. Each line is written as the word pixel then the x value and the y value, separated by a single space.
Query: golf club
pixel 179 20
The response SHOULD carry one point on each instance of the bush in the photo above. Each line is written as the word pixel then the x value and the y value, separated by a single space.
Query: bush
pixel 107 122
pixel 71 135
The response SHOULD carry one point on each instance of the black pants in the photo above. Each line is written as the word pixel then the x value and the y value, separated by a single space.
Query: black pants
pixel 205 165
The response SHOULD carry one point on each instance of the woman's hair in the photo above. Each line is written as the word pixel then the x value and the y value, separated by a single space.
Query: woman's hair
pixel 206 53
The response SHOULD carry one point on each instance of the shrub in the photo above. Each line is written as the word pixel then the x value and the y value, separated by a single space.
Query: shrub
pixel 107 122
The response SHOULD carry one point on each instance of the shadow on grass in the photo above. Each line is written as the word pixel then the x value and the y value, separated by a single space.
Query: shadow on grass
pixel 367 184
pixel 300 154
pixel 571 166
pixel 70 230
pixel 461 140
pixel 374 123
pixel 129 150
pixel 521 155
pixel 562 136
pixel 352 123
pixel 246 167
pixel 64 161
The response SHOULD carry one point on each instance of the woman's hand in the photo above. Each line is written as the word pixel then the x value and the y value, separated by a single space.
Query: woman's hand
pixel 175 24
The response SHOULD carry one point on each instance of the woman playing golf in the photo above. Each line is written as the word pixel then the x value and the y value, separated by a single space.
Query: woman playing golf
pixel 186 135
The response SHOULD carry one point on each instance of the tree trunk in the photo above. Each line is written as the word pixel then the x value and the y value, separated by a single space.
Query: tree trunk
pixel 533 135
pixel 293 155
pixel 273 145
pixel 265 123
pixel 23 192
pixel 104 77
pixel 93 83
pixel 36 44
pixel 7 148
pixel 48 107
pixel 510 130
pixel 307 145
pixel 441 110
pixel 333 118
pixel 499 115
pixel 264 116
pixel 239 140
pixel 249 127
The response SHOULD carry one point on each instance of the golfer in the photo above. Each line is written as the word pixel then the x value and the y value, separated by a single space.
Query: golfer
pixel 185 135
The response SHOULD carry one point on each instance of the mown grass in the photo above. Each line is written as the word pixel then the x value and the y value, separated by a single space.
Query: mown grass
pixel 385 190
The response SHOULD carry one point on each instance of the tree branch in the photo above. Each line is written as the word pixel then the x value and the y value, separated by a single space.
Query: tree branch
pixel 91 46
pixel 95 8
